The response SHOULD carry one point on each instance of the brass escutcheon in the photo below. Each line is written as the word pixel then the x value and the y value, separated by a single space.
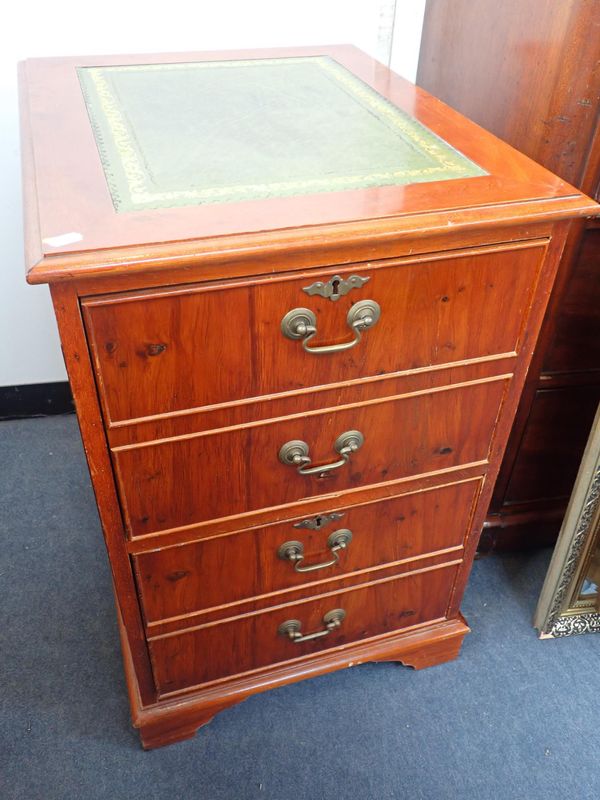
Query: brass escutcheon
pixel 319 521
pixel 336 287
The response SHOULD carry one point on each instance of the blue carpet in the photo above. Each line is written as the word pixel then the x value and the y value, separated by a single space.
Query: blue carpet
pixel 512 718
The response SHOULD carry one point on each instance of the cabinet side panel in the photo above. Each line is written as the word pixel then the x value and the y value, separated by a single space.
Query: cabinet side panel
pixel 76 355
pixel 507 414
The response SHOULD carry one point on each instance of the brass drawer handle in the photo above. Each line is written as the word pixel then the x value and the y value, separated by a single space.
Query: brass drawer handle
pixel 296 453
pixel 292 628
pixel 294 551
pixel 301 323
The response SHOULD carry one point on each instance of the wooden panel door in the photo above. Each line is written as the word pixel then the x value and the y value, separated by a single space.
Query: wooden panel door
pixel 556 434
pixel 575 344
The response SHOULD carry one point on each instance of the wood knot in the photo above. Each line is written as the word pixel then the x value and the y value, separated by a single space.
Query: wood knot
pixel 155 349
pixel 178 575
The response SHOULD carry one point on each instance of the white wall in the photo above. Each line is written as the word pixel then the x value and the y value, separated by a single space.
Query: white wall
pixel 29 349
pixel 406 38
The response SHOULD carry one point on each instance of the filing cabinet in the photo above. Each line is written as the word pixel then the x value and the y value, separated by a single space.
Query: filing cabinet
pixel 297 320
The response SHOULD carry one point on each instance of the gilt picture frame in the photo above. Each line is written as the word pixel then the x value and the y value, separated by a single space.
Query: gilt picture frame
pixel 564 608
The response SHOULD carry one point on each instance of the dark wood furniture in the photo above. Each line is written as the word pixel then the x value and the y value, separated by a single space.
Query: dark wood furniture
pixel 528 70
pixel 271 512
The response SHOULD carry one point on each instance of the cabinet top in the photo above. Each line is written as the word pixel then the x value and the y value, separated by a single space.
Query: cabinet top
pixel 197 133
pixel 139 159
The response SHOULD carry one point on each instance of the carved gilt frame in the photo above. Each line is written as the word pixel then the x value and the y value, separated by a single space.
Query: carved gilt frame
pixel 557 613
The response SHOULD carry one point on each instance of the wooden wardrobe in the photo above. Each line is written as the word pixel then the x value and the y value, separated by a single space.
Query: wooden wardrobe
pixel 529 71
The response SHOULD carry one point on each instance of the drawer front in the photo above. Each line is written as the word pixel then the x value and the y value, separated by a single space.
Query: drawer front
pixel 227 569
pixel 173 483
pixel 162 351
pixel 248 643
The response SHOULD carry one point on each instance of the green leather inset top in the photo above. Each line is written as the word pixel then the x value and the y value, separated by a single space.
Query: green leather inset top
pixel 225 131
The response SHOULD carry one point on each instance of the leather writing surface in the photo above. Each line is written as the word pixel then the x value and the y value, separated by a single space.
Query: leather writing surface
pixel 225 131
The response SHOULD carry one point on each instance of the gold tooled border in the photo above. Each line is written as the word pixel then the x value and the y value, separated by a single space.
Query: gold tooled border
pixel 450 163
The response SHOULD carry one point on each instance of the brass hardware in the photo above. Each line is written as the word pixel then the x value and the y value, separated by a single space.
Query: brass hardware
pixel 294 551
pixel 336 287
pixel 296 453
pixel 301 323
pixel 298 322
pixel 363 314
pixel 320 521
pixel 292 628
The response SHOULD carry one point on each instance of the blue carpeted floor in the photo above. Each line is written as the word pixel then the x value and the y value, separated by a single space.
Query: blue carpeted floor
pixel 512 718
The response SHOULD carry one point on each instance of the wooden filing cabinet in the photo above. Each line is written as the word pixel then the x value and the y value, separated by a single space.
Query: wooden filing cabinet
pixel 297 300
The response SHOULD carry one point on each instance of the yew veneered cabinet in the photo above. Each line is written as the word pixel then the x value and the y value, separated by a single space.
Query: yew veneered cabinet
pixel 297 299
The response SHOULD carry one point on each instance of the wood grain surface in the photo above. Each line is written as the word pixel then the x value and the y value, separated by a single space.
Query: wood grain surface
pixel 515 189
pixel 194 346
pixel 253 641
pixel 174 483
pixel 220 571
